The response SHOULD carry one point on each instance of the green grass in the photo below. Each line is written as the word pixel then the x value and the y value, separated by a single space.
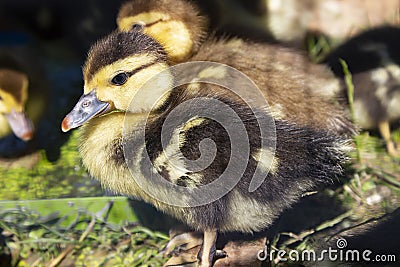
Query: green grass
pixel 64 178
pixel 85 237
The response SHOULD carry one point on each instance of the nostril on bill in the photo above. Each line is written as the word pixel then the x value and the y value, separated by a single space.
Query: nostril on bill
pixel 86 103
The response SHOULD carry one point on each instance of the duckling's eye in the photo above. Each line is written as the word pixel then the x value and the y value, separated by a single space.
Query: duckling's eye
pixel 1 98
pixel 138 26
pixel 120 79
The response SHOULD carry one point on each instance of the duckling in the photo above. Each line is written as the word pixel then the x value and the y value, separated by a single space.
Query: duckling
pixel 308 151
pixel 177 25
pixel 23 92
pixel 374 62
pixel 13 96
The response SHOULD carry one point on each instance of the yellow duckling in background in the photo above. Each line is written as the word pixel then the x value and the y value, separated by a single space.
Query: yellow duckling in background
pixel 311 131
pixel 13 97
pixel 176 25
pixel 23 92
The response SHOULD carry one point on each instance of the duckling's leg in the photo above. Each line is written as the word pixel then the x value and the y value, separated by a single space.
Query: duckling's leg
pixel 208 249
pixel 183 248
pixel 384 129
pixel 182 242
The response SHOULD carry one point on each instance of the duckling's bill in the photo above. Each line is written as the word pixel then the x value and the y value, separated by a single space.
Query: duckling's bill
pixel 88 107
pixel 21 125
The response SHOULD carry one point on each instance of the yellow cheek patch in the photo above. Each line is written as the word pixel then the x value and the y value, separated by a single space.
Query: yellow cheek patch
pixel 101 80
pixel 126 23
pixel 121 96
pixel 155 86
pixel 173 35
pixel 9 103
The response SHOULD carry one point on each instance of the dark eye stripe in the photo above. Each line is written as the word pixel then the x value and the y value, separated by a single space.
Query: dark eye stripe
pixel 132 72
pixel 116 80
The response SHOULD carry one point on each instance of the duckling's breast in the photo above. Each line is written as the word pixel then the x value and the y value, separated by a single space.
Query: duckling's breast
pixel 101 151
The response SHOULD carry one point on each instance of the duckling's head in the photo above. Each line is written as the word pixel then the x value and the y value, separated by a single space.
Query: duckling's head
pixel 116 68
pixel 176 25
pixel 13 97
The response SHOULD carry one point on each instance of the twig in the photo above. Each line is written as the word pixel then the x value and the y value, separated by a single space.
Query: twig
pixel 386 176
pixel 373 219
pixel 333 222
pixel 89 228
pixel 353 194
pixel 60 257
pixel 36 262
pixel 126 231
pixel 323 226
pixel 66 251
pixel 296 238
pixel 388 179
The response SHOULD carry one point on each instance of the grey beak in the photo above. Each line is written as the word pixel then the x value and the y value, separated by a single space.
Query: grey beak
pixel 88 107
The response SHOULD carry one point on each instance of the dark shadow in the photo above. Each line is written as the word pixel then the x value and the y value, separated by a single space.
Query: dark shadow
pixel 368 50
pixel 5 254
pixel 380 239
pixel 152 218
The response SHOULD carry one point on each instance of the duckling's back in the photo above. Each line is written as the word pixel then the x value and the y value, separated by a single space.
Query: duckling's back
pixel 296 89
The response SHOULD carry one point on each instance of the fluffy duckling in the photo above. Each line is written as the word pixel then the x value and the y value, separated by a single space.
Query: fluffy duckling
pixel 13 95
pixel 13 98
pixel 308 150
pixel 177 25
pixel 23 94
pixel 373 58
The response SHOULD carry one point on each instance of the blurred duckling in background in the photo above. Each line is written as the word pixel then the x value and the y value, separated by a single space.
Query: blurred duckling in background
pixel 180 32
pixel 13 96
pixel 23 92
pixel 312 132
pixel 290 21
pixel 373 58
